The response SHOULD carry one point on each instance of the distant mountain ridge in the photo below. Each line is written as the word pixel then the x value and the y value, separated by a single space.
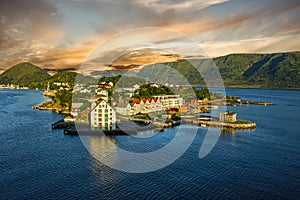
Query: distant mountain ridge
pixel 266 70
pixel 276 70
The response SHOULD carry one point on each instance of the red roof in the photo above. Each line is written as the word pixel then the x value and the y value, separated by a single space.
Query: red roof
pixel 136 101
pixel 150 100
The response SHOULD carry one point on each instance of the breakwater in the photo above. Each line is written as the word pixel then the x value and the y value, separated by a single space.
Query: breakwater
pixel 240 124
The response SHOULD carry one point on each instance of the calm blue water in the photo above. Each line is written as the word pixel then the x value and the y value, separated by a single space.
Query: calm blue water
pixel 37 162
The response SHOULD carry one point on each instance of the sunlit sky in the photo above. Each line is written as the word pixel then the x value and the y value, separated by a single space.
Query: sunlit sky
pixel 60 34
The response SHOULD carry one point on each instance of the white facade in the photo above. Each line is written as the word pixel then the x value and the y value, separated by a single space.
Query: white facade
pixel 124 110
pixel 170 101
pixel 146 106
pixel 140 106
pixel 102 115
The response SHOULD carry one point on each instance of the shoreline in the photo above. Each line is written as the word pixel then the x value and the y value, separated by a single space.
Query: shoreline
pixel 70 128
pixel 202 86
pixel 50 105
pixel 249 87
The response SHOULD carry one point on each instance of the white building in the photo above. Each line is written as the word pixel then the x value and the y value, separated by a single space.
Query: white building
pixel 75 109
pixel 150 105
pixel 126 110
pixel 102 115
pixel 170 101
pixel 102 94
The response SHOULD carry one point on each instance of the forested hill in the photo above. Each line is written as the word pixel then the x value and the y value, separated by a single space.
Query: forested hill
pixel 266 70
pixel 32 76
pixel 24 74
pixel 278 70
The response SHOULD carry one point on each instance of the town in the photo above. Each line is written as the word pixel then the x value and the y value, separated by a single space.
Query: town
pixel 161 107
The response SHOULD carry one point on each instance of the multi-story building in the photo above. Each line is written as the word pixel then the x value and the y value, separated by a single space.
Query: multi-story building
pixel 170 101
pixel 102 115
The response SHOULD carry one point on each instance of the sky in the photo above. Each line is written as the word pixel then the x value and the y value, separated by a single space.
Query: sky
pixel 115 34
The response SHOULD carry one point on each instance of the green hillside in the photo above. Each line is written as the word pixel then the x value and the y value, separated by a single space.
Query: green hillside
pixel 71 77
pixel 278 70
pixel 24 74
pixel 29 75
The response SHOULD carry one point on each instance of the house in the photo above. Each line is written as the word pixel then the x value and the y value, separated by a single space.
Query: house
pixel 75 109
pixel 126 110
pixel 146 105
pixel 228 116
pixel 122 108
pixel 102 115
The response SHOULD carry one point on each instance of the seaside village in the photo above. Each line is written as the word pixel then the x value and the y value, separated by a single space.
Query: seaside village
pixel 13 87
pixel 103 114
pixel 166 108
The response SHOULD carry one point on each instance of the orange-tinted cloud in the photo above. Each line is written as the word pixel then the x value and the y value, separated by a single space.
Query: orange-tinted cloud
pixel 61 34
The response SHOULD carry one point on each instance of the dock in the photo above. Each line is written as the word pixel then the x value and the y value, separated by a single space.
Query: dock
pixel 124 128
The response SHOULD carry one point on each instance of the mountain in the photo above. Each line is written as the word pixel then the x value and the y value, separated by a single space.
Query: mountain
pixel 71 77
pixel 277 70
pixel 24 74
pixel 27 74
pixel 265 70
pixel 111 73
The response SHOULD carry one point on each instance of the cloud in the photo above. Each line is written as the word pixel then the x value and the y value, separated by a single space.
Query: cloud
pixel 37 17
pixel 61 34
pixel 28 29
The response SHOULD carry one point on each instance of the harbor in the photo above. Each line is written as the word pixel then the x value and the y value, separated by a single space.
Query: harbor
pixel 133 127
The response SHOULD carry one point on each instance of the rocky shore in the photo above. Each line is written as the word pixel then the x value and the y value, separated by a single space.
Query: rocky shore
pixel 51 105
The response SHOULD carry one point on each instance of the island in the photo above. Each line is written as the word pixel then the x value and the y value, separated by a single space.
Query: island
pixel 140 107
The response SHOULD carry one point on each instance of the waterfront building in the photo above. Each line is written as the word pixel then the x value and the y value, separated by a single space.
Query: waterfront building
pixel 147 105
pixel 122 108
pixel 170 101
pixel 102 115
pixel 228 116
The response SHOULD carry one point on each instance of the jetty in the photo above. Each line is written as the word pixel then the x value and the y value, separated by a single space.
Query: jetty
pixel 239 124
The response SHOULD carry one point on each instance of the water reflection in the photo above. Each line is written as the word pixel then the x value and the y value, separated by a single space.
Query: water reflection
pixel 102 148
pixel 145 134
pixel 228 131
